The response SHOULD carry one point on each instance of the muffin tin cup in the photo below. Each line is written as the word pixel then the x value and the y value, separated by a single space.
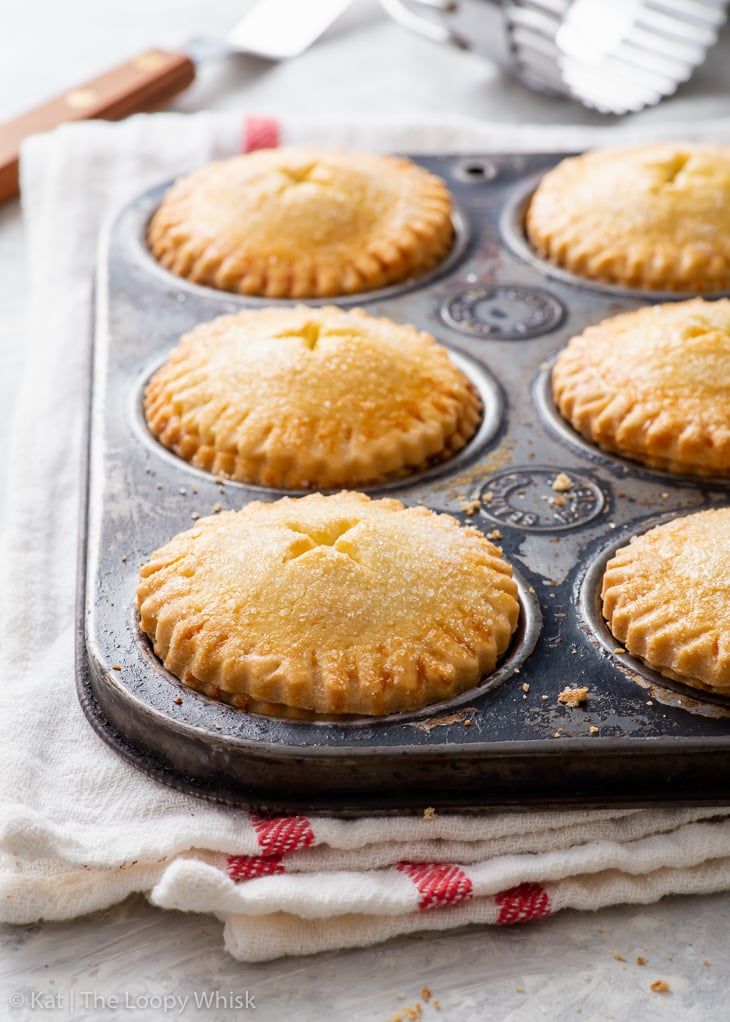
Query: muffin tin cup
pixel 667 691
pixel 149 201
pixel 493 407
pixel 512 226
pixel 503 315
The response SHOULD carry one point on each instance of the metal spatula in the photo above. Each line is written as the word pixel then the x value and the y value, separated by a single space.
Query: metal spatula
pixel 272 29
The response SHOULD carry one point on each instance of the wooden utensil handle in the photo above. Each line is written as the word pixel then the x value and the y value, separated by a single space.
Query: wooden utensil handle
pixel 145 82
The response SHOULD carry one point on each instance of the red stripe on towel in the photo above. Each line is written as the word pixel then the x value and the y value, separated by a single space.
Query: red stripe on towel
pixel 248 867
pixel 282 834
pixel 260 133
pixel 439 884
pixel 522 903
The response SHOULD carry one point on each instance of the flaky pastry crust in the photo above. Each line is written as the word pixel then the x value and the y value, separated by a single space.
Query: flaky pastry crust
pixel 655 217
pixel 303 398
pixel 300 222
pixel 333 604
pixel 666 597
pixel 653 385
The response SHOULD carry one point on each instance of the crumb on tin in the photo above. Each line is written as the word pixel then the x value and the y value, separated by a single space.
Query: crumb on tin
pixel 562 482
pixel 430 813
pixel 660 986
pixel 573 696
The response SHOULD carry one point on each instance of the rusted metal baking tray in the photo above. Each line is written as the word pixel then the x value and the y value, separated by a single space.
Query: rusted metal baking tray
pixel 640 739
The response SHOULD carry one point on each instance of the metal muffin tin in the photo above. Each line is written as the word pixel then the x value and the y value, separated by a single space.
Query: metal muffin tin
pixel 641 739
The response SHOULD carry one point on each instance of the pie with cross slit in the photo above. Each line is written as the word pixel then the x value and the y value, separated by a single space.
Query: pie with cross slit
pixel 655 217
pixel 653 385
pixel 308 398
pixel 332 604
pixel 299 222
pixel 666 597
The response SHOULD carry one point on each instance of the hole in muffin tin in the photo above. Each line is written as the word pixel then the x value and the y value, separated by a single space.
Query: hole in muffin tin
pixel 476 170
pixel 493 408
pixel 547 409
pixel 148 203
pixel 523 642
pixel 659 688
pixel 512 228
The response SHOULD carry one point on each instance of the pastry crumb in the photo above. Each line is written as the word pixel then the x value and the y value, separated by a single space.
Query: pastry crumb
pixel 558 733
pixel 640 960
pixel 618 956
pixel 470 507
pixel 573 696
pixel 426 994
pixel 525 686
pixel 437 1004
pixel 195 516
pixel 562 482
pixel 706 961
pixel 494 534
pixel 116 667
pixel 593 730
pixel 619 649
pixel 558 501
pixel 519 989
pixel 660 986
pixel 124 558
pixel 177 700
pixel 430 813
pixel 217 507
pixel 488 497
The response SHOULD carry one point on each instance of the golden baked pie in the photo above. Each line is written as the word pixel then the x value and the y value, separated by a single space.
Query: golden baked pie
pixel 666 597
pixel 301 397
pixel 654 217
pixel 654 385
pixel 334 604
pixel 300 222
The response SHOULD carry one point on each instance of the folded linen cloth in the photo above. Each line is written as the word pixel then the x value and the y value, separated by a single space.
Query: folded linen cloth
pixel 80 829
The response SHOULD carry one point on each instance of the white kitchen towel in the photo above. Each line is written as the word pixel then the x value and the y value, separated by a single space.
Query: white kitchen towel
pixel 80 829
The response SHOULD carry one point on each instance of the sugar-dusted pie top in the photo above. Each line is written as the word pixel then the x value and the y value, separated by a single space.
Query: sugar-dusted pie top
pixel 666 597
pixel 302 222
pixel 655 216
pixel 310 397
pixel 653 384
pixel 336 604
